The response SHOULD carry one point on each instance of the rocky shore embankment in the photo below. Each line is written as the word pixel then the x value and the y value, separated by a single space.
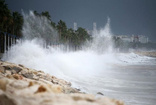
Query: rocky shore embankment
pixel 20 85
pixel 147 53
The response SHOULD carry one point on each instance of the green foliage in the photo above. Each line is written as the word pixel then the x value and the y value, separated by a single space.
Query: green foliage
pixel 36 13
pixel 62 29
pixel 17 23
pixel 10 22
pixel 46 14
pixel 74 38
pixel 82 35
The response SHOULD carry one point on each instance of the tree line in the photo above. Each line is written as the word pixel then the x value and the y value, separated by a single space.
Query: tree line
pixel 12 22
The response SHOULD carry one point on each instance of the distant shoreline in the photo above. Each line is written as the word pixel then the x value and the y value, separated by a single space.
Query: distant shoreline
pixel 147 53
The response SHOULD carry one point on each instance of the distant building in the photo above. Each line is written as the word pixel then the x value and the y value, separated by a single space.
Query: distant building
pixel 94 26
pixel 75 26
pixel 143 39
pixel 134 38
pixel 125 38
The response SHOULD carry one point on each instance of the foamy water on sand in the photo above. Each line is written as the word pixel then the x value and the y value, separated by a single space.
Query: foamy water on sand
pixel 133 81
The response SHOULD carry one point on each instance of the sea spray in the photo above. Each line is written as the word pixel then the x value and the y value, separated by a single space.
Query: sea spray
pixel 39 27
pixel 102 40
pixel 53 59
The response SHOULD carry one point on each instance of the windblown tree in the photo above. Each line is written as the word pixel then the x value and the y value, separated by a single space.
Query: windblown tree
pixel 62 29
pixel 47 15
pixel 5 16
pixel 68 36
pixel 17 23
pixel 82 35
pixel 36 13
pixel 10 22
pixel 72 37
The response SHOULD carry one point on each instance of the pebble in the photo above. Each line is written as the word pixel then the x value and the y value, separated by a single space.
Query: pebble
pixel 100 93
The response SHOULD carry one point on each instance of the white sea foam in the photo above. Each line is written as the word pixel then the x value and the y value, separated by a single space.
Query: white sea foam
pixel 54 60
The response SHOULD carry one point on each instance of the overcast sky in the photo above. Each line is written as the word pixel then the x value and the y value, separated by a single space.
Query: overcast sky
pixel 128 17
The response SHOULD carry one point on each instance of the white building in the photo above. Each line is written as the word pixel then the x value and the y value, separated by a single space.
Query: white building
pixel 75 26
pixel 125 38
pixel 134 38
pixel 143 39
pixel 94 26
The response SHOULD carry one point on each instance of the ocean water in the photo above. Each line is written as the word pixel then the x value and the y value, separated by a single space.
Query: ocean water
pixel 124 76
pixel 130 80
pixel 134 84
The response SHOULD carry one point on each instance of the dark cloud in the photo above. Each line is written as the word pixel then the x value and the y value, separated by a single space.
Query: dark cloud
pixel 127 16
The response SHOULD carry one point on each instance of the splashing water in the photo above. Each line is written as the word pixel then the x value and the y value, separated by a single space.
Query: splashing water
pixel 102 39
pixel 37 30
pixel 38 27
pixel 92 70
pixel 30 52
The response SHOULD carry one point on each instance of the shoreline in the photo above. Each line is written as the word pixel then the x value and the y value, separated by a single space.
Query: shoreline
pixel 20 85
pixel 147 53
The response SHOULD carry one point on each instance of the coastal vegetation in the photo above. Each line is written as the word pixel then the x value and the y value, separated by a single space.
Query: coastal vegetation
pixel 12 22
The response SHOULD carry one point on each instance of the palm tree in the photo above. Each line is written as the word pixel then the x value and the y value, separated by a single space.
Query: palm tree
pixel 62 29
pixel 17 23
pixel 36 13
pixel 53 24
pixel 73 38
pixel 5 16
pixel 46 14
pixel 82 35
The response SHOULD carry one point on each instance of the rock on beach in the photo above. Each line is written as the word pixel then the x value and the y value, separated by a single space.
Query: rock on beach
pixel 20 85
